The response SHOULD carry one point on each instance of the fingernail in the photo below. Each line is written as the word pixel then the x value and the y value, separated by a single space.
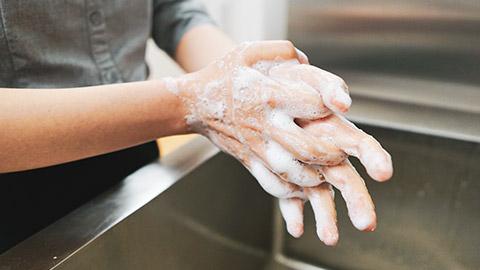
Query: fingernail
pixel 380 169
pixel 364 222
pixel 295 229
pixel 329 236
pixel 342 101
pixel 302 54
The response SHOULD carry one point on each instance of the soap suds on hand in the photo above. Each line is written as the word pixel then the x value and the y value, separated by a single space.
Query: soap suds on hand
pixel 244 109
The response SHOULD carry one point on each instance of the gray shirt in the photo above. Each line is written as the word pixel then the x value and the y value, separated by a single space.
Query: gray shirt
pixel 69 43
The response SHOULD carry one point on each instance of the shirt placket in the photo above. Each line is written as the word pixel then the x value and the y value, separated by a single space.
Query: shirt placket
pixel 101 53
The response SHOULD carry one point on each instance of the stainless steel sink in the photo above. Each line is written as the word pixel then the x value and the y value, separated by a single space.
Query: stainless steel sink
pixel 217 217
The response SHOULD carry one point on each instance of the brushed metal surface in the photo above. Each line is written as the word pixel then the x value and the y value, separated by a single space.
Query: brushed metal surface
pixel 217 217
pixel 410 65
pixel 63 238
pixel 428 214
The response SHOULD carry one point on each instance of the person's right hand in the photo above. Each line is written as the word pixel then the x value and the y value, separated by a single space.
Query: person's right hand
pixel 237 105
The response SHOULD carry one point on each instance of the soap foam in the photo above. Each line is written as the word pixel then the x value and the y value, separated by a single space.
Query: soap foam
pixel 333 98
pixel 217 109
pixel 293 216
pixel 325 222
pixel 282 121
pixel 296 108
pixel 360 209
pixel 172 85
pixel 282 162
pixel 265 66
pixel 271 183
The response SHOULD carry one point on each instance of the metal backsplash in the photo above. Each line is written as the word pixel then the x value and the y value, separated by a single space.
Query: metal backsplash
pixel 410 65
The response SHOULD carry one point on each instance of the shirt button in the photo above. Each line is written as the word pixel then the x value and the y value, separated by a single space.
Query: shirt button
pixel 111 76
pixel 96 18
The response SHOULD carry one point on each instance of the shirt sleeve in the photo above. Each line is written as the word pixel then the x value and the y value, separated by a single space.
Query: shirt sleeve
pixel 173 18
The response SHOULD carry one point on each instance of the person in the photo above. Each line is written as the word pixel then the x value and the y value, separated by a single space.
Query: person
pixel 77 115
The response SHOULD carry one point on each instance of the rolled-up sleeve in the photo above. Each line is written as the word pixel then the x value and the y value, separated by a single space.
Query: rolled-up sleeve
pixel 173 18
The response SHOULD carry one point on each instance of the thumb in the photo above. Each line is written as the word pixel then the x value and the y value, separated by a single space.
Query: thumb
pixel 268 51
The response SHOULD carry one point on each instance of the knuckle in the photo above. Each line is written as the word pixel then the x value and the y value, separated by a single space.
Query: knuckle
pixel 245 44
pixel 289 44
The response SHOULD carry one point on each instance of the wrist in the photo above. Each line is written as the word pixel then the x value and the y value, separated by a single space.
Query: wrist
pixel 168 108
pixel 183 89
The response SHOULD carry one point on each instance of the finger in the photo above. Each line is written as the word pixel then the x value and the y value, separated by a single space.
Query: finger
pixel 332 88
pixel 230 146
pixel 302 57
pixel 278 160
pixel 286 166
pixel 221 128
pixel 292 99
pixel 359 203
pixel 292 212
pixel 301 144
pixel 267 51
pixel 321 199
pixel 298 100
pixel 289 168
pixel 272 184
pixel 355 142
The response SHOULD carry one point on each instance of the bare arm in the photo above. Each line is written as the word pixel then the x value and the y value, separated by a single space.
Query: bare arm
pixel 51 126
pixel 201 45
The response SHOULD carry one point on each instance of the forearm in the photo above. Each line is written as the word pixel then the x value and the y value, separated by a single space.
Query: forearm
pixel 42 127
pixel 202 45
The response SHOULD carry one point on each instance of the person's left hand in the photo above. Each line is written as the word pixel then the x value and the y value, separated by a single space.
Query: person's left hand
pixel 349 139
pixel 344 177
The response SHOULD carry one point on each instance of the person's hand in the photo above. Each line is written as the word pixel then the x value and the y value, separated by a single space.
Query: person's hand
pixel 264 106
pixel 243 110
pixel 347 138
pixel 344 177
